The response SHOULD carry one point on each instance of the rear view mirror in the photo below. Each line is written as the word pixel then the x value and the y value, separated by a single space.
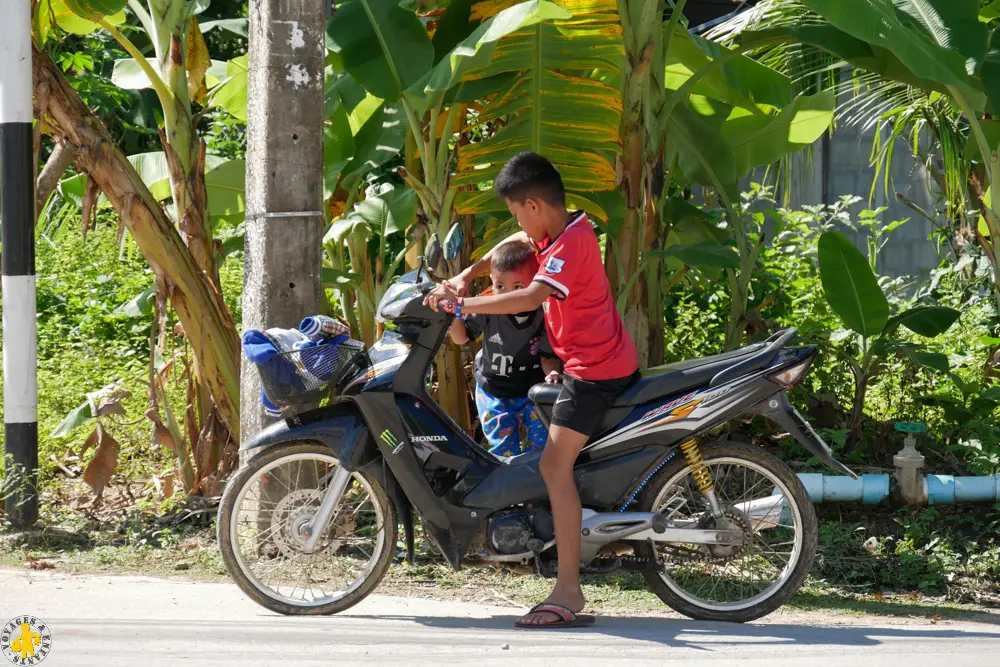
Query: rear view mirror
pixel 453 242
pixel 433 252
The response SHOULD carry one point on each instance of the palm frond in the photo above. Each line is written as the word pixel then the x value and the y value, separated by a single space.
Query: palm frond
pixel 894 112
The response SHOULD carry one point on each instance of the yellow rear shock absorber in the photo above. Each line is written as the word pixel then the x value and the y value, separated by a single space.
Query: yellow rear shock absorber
pixel 701 475
pixel 698 468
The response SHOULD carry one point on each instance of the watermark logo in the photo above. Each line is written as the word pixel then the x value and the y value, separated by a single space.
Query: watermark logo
pixel 25 641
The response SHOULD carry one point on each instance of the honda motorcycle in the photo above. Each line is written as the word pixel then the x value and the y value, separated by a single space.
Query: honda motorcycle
pixel 719 529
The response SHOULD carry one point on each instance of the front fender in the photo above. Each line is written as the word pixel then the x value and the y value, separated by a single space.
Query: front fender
pixel 338 426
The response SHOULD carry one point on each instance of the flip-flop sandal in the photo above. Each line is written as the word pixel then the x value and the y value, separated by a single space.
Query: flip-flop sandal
pixel 567 619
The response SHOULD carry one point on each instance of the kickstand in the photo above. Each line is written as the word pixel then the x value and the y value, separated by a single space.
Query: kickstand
pixel 653 565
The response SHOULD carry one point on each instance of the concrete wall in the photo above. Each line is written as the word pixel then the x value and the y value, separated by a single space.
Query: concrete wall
pixel 908 251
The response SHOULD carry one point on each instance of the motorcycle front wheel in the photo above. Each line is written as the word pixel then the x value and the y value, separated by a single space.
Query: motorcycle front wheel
pixel 262 522
pixel 761 497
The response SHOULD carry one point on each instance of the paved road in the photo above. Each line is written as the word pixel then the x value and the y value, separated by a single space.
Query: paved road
pixel 143 622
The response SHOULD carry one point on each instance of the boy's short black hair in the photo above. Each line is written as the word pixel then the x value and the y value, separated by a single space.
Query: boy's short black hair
pixel 513 256
pixel 530 175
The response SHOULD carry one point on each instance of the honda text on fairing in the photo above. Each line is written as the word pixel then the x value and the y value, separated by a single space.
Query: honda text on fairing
pixel 719 529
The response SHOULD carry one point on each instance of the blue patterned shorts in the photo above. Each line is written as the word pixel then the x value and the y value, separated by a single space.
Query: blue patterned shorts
pixel 502 419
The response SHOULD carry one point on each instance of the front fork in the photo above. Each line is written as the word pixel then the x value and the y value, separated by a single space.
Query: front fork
pixel 334 493
pixel 701 475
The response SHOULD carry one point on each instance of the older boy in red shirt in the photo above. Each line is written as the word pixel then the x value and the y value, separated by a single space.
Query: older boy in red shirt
pixel 585 331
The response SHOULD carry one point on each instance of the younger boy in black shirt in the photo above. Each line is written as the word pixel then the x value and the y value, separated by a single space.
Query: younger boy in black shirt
pixel 515 355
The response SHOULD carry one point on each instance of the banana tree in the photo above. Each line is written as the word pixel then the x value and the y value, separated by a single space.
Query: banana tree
pixel 716 116
pixel 386 49
pixel 384 214
pixel 853 293
pixel 176 70
pixel 642 175
pixel 224 185
pixel 541 96
pixel 185 263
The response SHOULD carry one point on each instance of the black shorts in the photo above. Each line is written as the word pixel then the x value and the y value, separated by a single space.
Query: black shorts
pixel 582 404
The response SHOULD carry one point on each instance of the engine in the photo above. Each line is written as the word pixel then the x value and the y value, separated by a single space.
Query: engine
pixel 512 532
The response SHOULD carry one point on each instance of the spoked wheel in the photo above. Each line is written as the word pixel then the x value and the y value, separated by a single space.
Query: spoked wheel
pixel 264 529
pixel 761 498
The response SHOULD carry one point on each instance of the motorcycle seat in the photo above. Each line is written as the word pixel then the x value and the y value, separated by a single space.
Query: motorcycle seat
pixel 663 381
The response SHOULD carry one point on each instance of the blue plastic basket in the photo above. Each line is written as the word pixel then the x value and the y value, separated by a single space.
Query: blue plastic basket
pixel 308 375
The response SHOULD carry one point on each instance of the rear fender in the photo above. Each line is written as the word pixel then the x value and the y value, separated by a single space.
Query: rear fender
pixel 338 426
pixel 781 412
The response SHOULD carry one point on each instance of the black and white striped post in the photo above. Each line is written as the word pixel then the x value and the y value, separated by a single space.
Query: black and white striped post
pixel 17 208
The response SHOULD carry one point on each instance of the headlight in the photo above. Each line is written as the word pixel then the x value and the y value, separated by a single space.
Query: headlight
pixel 395 299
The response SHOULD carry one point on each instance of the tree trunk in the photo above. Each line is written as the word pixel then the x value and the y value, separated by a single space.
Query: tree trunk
pixel 452 388
pixel 654 238
pixel 191 202
pixel 185 153
pixel 641 29
pixel 452 395
pixel 207 322
pixel 357 250
pixel 857 413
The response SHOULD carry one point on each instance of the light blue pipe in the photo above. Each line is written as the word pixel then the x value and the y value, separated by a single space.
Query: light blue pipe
pixel 869 489
pixel 950 490
pixel 873 489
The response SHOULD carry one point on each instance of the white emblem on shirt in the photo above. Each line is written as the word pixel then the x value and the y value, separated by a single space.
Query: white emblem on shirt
pixel 502 363
pixel 495 338
pixel 554 265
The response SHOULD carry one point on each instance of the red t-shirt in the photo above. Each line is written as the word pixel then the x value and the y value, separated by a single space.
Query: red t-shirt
pixel 583 324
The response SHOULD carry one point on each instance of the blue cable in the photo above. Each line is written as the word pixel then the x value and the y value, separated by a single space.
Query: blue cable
pixel 645 481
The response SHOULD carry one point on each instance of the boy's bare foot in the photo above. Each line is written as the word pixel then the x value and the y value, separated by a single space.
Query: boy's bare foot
pixel 573 601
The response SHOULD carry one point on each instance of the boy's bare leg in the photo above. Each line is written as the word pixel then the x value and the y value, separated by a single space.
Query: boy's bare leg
pixel 560 454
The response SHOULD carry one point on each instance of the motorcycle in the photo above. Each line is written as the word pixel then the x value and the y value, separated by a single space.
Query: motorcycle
pixel 720 530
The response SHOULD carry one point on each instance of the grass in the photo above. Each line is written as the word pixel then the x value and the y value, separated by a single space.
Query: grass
pixel 91 335
pixel 165 548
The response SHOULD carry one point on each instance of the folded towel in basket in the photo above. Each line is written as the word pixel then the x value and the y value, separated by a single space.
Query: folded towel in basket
pixel 319 327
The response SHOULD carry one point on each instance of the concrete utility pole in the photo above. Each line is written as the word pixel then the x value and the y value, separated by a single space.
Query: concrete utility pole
pixel 284 181
pixel 17 187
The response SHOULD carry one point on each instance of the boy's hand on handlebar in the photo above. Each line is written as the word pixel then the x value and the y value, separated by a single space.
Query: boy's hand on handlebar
pixel 460 284
pixel 444 291
pixel 554 377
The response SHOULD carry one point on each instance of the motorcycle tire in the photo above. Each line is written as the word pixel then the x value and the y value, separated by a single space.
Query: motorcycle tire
pixel 665 587
pixel 248 582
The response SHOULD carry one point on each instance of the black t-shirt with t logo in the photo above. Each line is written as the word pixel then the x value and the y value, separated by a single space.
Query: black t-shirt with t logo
pixel 513 346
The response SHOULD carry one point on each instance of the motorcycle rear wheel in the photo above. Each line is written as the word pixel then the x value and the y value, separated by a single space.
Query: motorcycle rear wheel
pixel 731 583
pixel 260 518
